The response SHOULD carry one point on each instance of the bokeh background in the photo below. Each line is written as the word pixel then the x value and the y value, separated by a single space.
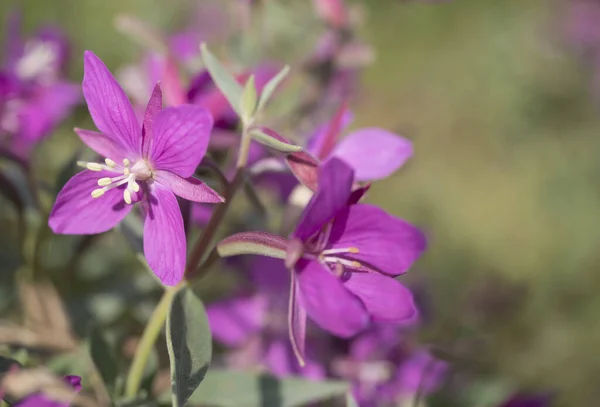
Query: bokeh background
pixel 505 179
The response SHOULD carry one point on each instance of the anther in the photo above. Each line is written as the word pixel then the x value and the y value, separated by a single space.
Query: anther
pixel 127 196
pixel 104 182
pixel 135 186
pixel 126 162
pixel 126 171
pixel 110 163
pixel 353 250
pixel 93 167
pixel 97 193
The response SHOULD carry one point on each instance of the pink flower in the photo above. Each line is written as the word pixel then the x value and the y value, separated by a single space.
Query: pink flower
pixel 149 163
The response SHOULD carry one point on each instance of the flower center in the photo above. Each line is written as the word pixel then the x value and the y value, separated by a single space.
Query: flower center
pixel 125 174
pixel 330 257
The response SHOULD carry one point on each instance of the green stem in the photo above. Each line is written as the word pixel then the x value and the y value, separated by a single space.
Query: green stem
pixel 149 337
pixel 203 243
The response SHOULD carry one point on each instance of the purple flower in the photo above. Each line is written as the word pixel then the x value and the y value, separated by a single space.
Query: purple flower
pixel 254 325
pixel 343 256
pixel 384 370
pixel 41 400
pixel 149 163
pixel 34 98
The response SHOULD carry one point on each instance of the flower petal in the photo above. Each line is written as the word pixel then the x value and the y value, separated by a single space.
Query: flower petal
pixel 190 188
pixel 335 183
pixel 49 106
pixel 385 243
pixel 323 140
pixel 101 144
pixel 152 109
pixel 181 137
pixel 233 321
pixel 328 303
pixel 108 105
pixel 76 212
pixel 384 298
pixel 373 153
pixel 164 236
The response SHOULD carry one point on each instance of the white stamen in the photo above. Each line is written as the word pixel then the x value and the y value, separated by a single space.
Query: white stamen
pixel 127 196
pixel 134 186
pixel 352 250
pixel 126 162
pixel 110 163
pixel 94 166
pixel 103 182
pixel 348 263
pixel 97 193
pixel 127 171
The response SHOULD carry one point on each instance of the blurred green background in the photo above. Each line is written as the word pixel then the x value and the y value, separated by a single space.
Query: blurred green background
pixel 505 178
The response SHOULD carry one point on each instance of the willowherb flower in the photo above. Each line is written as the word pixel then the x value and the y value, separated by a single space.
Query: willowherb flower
pixel 343 258
pixel 253 324
pixel 385 371
pixel 34 96
pixel 149 163
pixel 42 400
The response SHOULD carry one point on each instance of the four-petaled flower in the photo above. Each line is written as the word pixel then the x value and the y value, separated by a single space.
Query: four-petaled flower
pixel 344 256
pixel 149 163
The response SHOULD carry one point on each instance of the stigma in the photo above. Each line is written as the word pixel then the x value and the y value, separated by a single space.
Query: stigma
pixel 125 173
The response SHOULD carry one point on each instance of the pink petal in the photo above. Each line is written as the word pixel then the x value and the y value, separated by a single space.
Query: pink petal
pixel 322 142
pixel 181 137
pixel 384 298
pixel 75 212
pixel 233 321
pixel 108 105
pixel 191 189
pixel 296 321
pixel 385 243
pixel 47 109
pixel 152 109
pixel 335 183
pixel 373 153
pixel 164 236
pixel 102 144
pixel 331 305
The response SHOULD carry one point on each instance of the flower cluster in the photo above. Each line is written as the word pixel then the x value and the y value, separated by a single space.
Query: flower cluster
pixel 317 292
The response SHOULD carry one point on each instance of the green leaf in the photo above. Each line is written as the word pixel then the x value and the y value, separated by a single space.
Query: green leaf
pixel 223 79
pixel 271 142
pixel 226 388
pixel 351 401
pixel 104 358
pixel 189 344
pixel 261 243
pixel 270 87
pixel 248 100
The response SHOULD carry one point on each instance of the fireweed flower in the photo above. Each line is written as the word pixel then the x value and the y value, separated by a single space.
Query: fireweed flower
pixel 343 258
pixel 253 324
pixel 41 400
pixel 34 97
pixel 149 163
pixel 385 371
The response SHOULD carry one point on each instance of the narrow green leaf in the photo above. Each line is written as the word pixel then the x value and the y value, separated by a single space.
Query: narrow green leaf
pixel 248 100
pixel 103 357
pixel 223 79
pixel 261 243
pixel 270 87
pixel 271 142
pixel 189 344
pixel 225 388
